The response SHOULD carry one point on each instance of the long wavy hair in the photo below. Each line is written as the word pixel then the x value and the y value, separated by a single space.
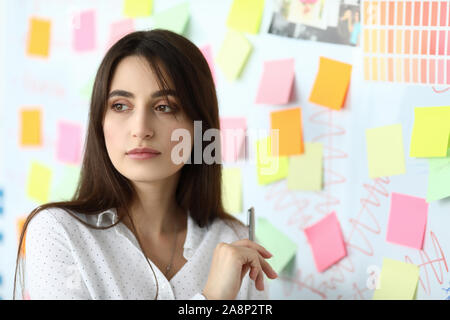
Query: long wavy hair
pixel 101 186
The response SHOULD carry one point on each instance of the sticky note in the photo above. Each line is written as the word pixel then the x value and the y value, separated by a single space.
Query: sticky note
pixel 137 8
pixel 84 31
pixel 398 281
pixel 233 54
pixel 269 168
pixel 174 19
pixel 207 53
pixel 30 132
pixel 38 42
pixel 407 220
pixel 438 178
pixel 232 190
pixel 275 86
pixel 246 15
pixel 86 90
pixel 38 184
pixel 326 242
pixel 276 242
pixel 305 170
pixel 69 143
pixel 288 123
pixel 232 135
pixel 65 186
pixel 430 132
pixel 119 29
pixel 385 151
pixel 331 84
pixel 20 221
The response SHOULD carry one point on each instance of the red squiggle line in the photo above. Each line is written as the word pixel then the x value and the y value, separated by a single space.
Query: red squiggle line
pixel 308 284
pixel 426 261
pixel 357 225
pixel 440 91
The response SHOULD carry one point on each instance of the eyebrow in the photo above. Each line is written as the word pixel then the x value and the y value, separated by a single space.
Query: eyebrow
pixel 127 94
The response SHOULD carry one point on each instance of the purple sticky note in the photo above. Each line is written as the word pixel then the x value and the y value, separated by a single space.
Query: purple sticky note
pixel 69 143
pixel 232 135
pixel 207 53
pixel 275 86
pixel 407 220
pixel 84 31
pixel 326 242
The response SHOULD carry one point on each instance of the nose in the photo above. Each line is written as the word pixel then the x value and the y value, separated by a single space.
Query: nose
pixel 141 124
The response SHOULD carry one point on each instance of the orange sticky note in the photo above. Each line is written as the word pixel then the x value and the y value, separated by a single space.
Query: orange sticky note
pixel 290 132
pixel 39 37
pixel 30 127
pixel 19 225
pixel 331 85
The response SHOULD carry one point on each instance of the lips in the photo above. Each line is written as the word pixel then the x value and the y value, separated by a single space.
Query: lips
pixel 143 150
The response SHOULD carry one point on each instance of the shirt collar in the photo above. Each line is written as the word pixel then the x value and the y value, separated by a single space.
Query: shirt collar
pixel 194 233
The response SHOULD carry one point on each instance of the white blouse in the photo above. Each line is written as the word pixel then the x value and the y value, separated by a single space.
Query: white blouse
pixel 67 260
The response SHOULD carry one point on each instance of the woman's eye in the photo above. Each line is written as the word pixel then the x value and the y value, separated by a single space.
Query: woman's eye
pixel 164 108
pixel 116 108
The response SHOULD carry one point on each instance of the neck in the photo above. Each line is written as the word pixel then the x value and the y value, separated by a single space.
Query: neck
pixel 154 210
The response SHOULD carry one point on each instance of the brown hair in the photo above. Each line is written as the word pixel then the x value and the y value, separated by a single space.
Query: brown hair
pixel 101 186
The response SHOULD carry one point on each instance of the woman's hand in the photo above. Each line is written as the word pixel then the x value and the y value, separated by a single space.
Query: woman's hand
pixel 230 264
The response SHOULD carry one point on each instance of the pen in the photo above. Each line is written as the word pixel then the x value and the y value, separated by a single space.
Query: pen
pixel 251 223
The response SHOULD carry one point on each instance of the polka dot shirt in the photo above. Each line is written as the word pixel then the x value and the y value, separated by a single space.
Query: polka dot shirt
pixel 67 260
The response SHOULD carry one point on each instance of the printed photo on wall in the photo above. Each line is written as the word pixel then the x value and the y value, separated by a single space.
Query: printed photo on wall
pixel 334 21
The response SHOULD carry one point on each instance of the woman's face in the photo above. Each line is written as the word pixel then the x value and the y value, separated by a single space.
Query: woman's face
pixel 139 116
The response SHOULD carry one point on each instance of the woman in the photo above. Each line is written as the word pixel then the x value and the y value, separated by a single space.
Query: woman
pixel 141 225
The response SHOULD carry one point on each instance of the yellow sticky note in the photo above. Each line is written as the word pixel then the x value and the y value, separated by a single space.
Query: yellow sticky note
pixel 431 132
pixel 233 54
pixel 276 242
pixel 246 15
pixel 38 185
pixel 30 133
pixel 269 168
pixel 232 190
pixel 398 281
pixel 306 170
pixel 137 8
pixel 331 84
pixel 385 152
pixel 39 37
pixel 288 122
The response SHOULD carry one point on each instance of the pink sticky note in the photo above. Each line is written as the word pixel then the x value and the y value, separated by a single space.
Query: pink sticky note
pixel 84 31
pixel 69 143
pixel 277 81
pixel 120 29
pixel 407 220
pixel 232 135
pixel 326 241
pixel 207 53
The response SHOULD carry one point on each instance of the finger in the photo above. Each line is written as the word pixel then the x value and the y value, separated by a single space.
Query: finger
pixel 251 244
pixel 267 268
pixel 259 282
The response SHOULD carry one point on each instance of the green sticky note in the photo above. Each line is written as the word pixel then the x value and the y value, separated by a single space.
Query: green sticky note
pixel 385 151
pixel 305 171
pixel 233 54
pixel 438 178
pixel 174 19
pixel 276 242
pixel 232 190
pixel 431 132
pixel 398 281
pixel 66 185
pixel 269 168
pixel 246 15
pixel 86 90
pixel 137 8
pixel 38 184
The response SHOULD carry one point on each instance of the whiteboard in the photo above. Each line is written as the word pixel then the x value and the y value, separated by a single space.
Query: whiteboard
pixel 361 203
